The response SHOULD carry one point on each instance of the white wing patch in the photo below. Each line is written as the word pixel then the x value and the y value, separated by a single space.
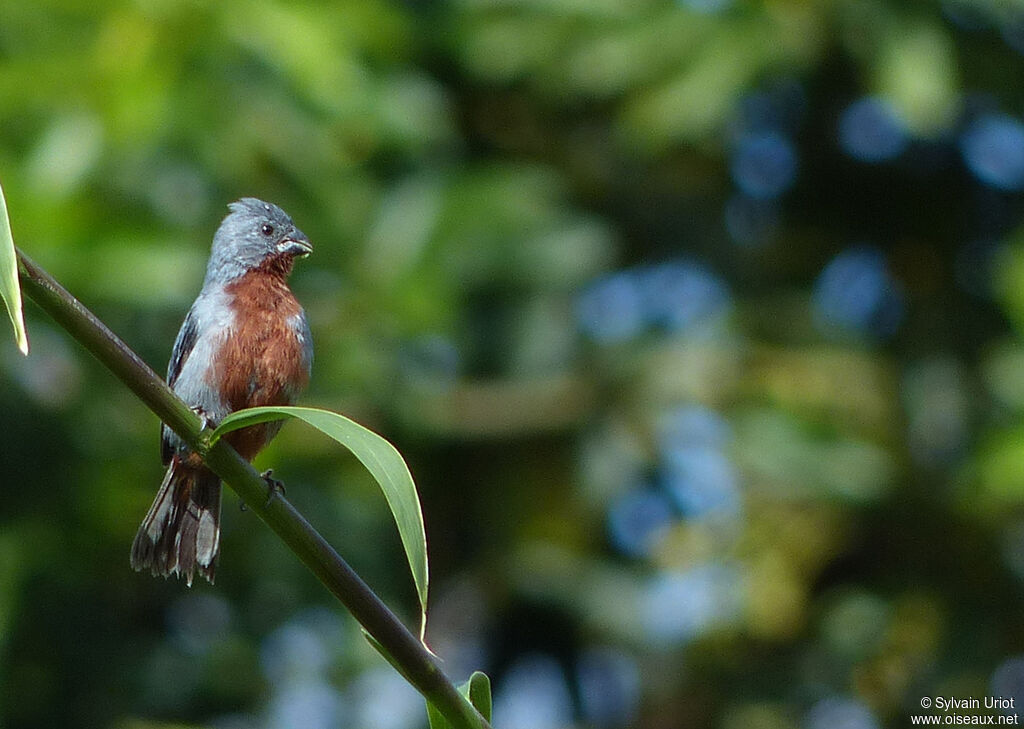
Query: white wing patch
pixel 207 539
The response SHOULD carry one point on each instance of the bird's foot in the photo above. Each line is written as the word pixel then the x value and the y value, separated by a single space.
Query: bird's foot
pixel 207 426
pixel 205 419
pixel 276 487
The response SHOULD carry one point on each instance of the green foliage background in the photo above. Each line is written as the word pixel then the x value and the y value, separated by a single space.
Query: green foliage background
pixel 467 171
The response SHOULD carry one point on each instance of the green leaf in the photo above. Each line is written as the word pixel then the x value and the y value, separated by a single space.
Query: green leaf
pixel 385 654
pixel 477 689
pixel 10 291
pixel 436 718
pixel 382 460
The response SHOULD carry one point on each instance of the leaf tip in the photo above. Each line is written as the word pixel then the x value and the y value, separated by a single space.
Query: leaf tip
pixel 480 693
pixel 17 319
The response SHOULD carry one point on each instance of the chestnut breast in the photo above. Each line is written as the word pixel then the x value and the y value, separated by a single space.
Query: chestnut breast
pixel 261 360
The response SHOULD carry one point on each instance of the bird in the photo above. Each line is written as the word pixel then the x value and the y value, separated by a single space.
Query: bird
pixel 244 343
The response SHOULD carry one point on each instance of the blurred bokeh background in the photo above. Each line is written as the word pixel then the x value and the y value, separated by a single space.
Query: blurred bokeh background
pixel 700 323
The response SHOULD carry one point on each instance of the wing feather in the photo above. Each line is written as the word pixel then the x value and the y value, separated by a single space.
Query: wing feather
pixel 183 345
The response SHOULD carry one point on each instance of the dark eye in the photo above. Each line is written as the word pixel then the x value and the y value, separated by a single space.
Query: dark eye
pixel 267 229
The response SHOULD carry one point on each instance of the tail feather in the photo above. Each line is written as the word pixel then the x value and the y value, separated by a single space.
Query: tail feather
pixel 181 533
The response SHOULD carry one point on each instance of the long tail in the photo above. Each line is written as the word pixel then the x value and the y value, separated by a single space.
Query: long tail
pixel 181 533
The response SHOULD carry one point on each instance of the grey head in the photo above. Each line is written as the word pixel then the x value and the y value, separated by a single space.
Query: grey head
pixel 254 234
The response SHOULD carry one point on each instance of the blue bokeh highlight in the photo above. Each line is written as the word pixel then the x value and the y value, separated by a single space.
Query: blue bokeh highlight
pixel 695 471
pixel 856 293
pixel 702 482
pixel 612 308
pixel 870 130
pixel 609 687
pixel 840 713
pixel 993 149
pixel 683 297
pixel 533 694
pixel 764 164
pixel 679 606
pixel 637 519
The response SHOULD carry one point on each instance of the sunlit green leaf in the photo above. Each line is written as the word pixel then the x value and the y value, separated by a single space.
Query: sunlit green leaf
pixel 382 460
pixel 477 689
pixel 1001 465
pixel 10 291
pixel 917 71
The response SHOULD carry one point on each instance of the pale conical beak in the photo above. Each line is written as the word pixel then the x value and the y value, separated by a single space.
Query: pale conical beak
pixel 296 244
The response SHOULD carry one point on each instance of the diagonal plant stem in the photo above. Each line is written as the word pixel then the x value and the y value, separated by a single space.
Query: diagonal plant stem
pixel 420 667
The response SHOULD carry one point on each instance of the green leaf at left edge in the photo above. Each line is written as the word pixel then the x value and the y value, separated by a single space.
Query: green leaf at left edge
pixel 383 461
pixel 10 291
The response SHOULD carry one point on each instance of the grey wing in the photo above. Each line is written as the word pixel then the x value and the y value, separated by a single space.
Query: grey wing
pixel 183 346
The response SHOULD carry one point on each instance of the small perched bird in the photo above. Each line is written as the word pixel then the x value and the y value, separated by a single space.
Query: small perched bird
pixel 245 343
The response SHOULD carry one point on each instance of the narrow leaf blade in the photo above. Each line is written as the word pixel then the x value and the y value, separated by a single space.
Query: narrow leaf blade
pixel 436 718
pixel 383 461
pixel 10 290
pixel 385 654
pixel 480 693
